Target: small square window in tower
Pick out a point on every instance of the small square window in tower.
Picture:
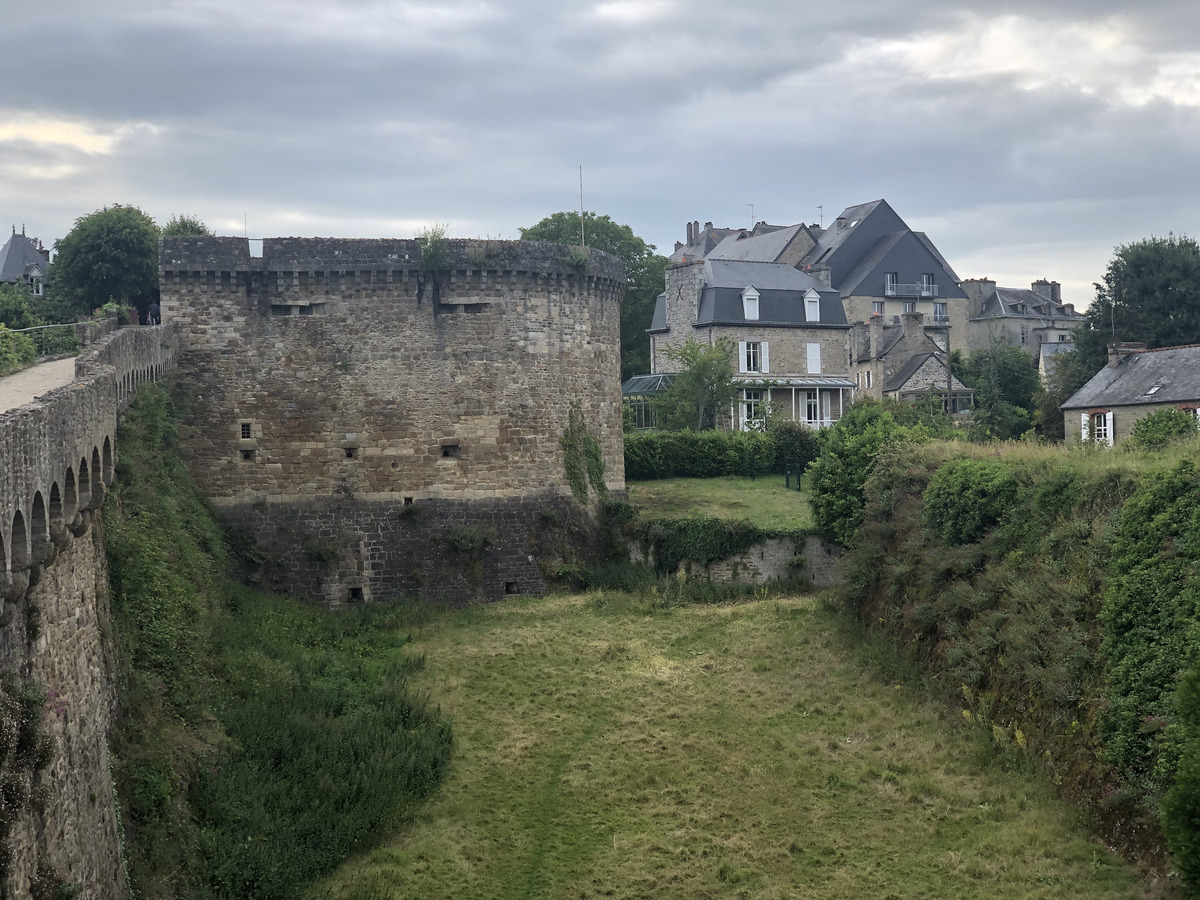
(245, 430)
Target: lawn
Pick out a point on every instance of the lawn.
(606, 747)
(764, 501)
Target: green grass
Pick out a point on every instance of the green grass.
(764, 501)
(604, 748)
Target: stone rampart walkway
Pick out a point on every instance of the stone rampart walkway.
(29, 384)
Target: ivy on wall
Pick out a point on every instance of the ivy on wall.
(582, 456)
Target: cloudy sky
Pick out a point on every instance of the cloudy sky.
(1027, 139)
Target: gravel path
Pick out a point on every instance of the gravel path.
(29, 384)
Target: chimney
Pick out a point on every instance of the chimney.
(1055, 292)
(1041, 287)
(677, 244)
(708, 226)
(876, 344)
(1119, 351)
(1069, 308)
(690, 237)
(977, 290)
(822, 274)
(913, 324)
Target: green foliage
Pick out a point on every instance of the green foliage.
(111, 254)
(263, 740)
(966, 498)
(1150, 293)
(329, 750)
(186, 226)
(434, 255)
(796, 445)
(582, 456)
(698, 539)
(1151, 617)
(16, 351)
(320, 552)
(703, 388)
(1005, 380)
(15, 311)
(847, 459)
(1162, 428)
(644, 270)
(1180, 811)
(24, 752)
(470, 538)
(708, 454)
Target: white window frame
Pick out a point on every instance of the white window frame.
(1097, 427)
(877, 307)
(750, 303)
(812, 357)
(751, 408)
(754, 357)
(812, 306)
(868, 379)
(909, 306)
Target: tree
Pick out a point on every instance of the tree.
(847, 459)
(186, 226)
(1151, 293)
(703, 387)
(111, 254)
(643, 267)
(1006, 384)
(14, 307)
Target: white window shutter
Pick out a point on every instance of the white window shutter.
(1108, 426)
(814, 359)
(765, 358)
(1084, 427)
(742, 357)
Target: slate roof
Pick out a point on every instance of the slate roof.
(17, 257)
(659, 322)
(765, 247)
(890, 337)
(833, 237)
(878, 253)
(1024, 304)
(1176, 371)
(781, 290)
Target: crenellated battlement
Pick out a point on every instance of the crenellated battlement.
(344, 378)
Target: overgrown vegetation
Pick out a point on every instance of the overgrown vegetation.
(262, 740)
(623, 746)
(766, 502)
(1056, 593)
(692, 454)
(16, 351)
(24, 753)
(582, 456)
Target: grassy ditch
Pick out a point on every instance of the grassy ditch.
(763, 501)
(1054, 593)
(261, 740)
(607, 746)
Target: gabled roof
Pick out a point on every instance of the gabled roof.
(18, 256)
(764, 247)
(764, 276)
(878, 254)
(1166, 375)
(909, 369)
(1024, 304)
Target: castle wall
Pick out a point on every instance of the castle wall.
(335, 380)
(56, 460)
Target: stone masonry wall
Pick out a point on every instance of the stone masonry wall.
(333, 381)
(56, 460)
(772, 560)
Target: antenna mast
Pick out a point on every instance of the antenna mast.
(821, 212)
(582, 235)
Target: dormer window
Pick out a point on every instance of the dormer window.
(812, 306)
(750, 303)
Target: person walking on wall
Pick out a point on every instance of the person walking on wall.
(152, 314)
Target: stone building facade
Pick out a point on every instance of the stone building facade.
(388, 417)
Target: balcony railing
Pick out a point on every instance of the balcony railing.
(910, 290)
(936, 320)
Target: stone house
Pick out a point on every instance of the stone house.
(1133, 384)
(904, 362)
(1021, 318)
(24, 261)
(789, 331)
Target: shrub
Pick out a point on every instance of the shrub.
(796, 445)
(846, 461)
(690, 454)
(16, 351)
(1161, 428)
(967, 497)
(1181, 806)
